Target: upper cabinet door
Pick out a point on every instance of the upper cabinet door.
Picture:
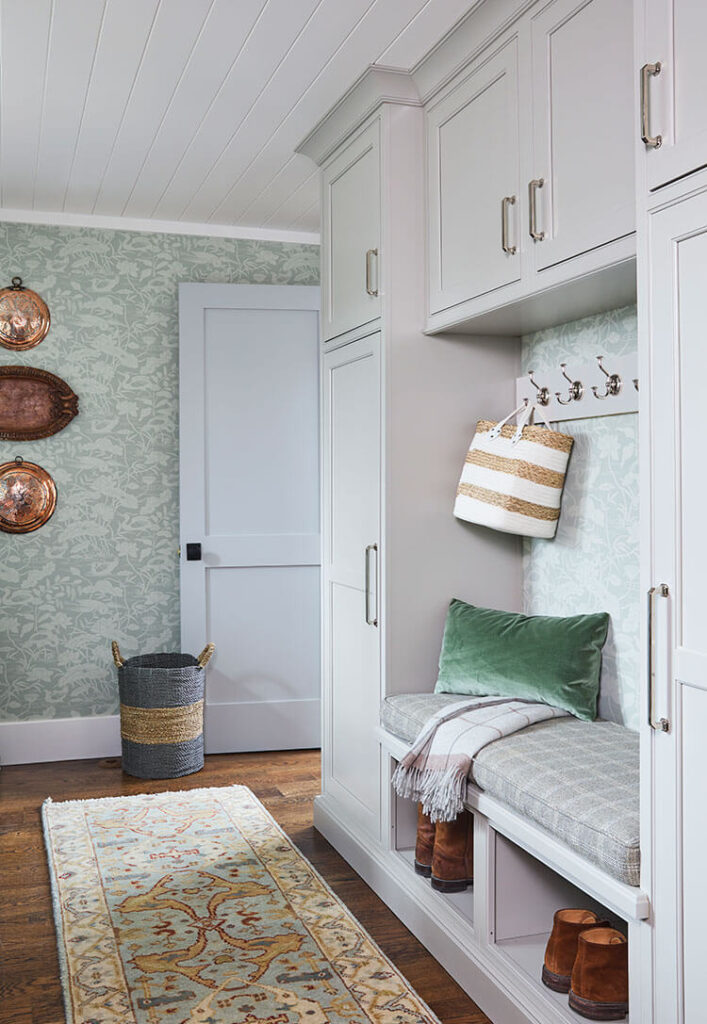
(673, 89)
(473, 181)
(351, 228)
(581, 194)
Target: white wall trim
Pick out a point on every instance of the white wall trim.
(59, 739)
(164, 227)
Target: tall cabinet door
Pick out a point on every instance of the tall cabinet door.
(474, 181)
(583, 127)
(351, 230)
(678, 356)
(351, 415)
(674, 87)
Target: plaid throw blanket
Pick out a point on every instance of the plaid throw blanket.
(435, 769)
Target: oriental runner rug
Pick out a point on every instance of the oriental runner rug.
(195, 908)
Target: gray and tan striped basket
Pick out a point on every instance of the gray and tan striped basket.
(162, 713)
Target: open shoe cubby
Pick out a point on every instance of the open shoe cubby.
(506, 916)
(524, 895)
(403, 832)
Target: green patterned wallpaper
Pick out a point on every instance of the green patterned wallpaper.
(105, 566)
(593, 562)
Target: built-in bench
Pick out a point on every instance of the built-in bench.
(578, 780)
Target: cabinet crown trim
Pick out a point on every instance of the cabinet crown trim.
(371, 90)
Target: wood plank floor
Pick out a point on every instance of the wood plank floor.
(30, 990)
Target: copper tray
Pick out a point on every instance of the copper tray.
(27, 496)
(33, 403)
(24, 317)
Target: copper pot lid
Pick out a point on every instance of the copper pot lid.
(27, 496)
(24, 317)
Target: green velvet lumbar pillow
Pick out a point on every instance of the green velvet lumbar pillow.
(543, 658)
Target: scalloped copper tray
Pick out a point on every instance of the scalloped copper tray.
(27, 496)
(33, 403)
(24, 317)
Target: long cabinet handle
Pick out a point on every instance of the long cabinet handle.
(662, 725)
(505, 203)
(370, 253)
(648, 71)
(533, 187)
(367, 557)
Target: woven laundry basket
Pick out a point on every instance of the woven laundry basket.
(162, 713)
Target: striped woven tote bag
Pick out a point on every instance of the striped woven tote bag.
(513, 476)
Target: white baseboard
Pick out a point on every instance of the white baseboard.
(59, 739)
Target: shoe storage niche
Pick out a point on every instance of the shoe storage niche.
(507, 914)
(525, 896)
(403, 834)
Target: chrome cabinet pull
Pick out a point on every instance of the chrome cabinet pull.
(370, 253)
(648, 71)
(505, 203)
(367, 557)
(662, 725)
(533, 187)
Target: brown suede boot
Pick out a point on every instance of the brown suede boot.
(599, 988)
(453, 856)
(561, 949)
(425, 843)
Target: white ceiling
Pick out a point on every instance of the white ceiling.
(186, 111)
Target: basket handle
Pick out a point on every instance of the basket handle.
(117, 656)
(205, 656)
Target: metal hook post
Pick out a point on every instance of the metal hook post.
(613, 382)
(543, 393)
(576, 389)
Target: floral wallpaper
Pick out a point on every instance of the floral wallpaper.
(105, 566)
(593, 563)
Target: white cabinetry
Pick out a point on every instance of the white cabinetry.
(351, 235)
(671, 48)
(474, 183)
(677, 355)
(583, 145)
(530, 154)
(398, 412)
(351, 528)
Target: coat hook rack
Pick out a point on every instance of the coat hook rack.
(560, 396)
(576, 388)
(543, 394)
(613, 382)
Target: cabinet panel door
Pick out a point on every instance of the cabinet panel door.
(473, 154)
(583, 126)
(351, 487)
(678, 311)
(675, 33)
(351, 220)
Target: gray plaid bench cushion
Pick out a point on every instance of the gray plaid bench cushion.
(578, 780)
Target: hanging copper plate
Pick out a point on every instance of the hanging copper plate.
(27, 496)
(33, 403)
(24, 317)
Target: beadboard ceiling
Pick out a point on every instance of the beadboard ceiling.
(186, 112)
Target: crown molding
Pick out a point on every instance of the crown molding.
(163, 227)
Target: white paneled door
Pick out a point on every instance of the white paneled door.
(351, 404)
(249, 509)
(678, 668)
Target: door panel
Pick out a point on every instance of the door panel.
(675, 31)
(351, 401)
(473, 150)
(678, 310)
(351, 219)
(583, 125)
(249, 494)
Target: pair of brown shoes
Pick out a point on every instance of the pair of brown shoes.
(588, 959)
(444, 852)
